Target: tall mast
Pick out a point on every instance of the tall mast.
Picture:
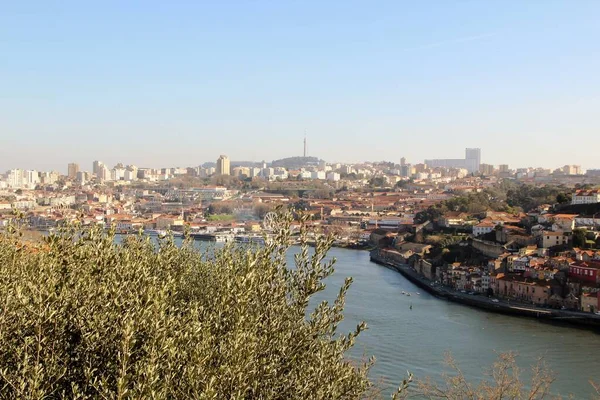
(305, 143)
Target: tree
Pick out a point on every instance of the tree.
(219, 208)
(579, 238)
(84, 317)
(261, 209)
(563, 198)
(503, 381)
(377, 181)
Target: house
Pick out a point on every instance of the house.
(563, 222)
(550, 238)
(582, 220)
(513, 234)
(485, 283)
(586, 197)
(453, 219)
(168, 221)
(485, 226)
(586, 271)
(586, 255)
(523, 289)
(124, 225)
(590, 302)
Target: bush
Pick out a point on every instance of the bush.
(83, 317)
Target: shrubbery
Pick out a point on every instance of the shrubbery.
(83, 317)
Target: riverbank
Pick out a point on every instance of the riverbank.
(587, 320)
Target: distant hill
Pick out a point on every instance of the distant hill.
(249, 164)
(296, 162)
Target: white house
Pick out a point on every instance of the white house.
(586, 197)
(485, 226)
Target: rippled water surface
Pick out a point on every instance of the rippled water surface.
(403, 339)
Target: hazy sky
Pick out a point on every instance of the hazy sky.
(167, 83)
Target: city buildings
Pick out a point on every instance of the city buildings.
(572, 170)
(223, 166)
(471, 162)
(73, 169)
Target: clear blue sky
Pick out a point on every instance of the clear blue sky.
(166, 83)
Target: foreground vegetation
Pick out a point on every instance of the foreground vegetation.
(83, 317)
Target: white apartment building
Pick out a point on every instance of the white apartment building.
(117, 174)
(32, 178)
(318, 175)
(15, 178)
(333, 176)
(130, 175)
(586, 197)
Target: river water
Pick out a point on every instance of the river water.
(404, 339)
(417, 339)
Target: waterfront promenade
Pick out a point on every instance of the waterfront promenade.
(490, 304)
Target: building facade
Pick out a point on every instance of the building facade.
(223, 166)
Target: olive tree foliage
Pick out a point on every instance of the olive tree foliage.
(84, 317)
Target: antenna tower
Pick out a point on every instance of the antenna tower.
(305, 144)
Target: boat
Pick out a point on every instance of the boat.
(249, 239)
(155, 232)
(202, 236)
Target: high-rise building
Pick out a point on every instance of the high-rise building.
(405, 170)
(15, 178)
(402, 161)
(73, 169)
(82, 177)
(97, 168)
(473, 155)
(103, 173)
(486, 169)
(223, 166)
(31, 178)
(503, 168)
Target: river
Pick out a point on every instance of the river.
(417, 339)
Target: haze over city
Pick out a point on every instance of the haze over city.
(159, 84)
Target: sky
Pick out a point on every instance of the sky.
(174, 83)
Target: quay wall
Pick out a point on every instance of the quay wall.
(587, 320)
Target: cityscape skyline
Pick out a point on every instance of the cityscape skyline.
(181, 84)
(472, 163)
